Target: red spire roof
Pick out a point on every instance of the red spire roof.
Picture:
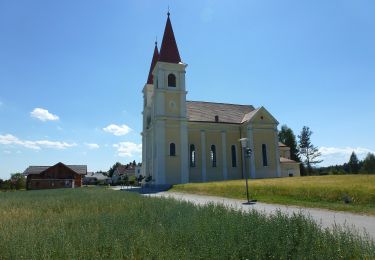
(155, 58)
(168, 50)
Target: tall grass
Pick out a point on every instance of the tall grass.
(313, 191)
(97, 223)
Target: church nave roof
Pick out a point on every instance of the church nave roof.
(200, 111)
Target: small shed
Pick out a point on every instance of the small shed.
(53, 177)
(289, 167)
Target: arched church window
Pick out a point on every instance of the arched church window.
(192, 155)
(172, 149)
(264, 154)
(213, 155)
(171, 80)
(234, 156)
(148, 121)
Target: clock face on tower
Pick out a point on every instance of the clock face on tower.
(172, 105)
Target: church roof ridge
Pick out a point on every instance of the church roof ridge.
(169, 50)
(220, 103)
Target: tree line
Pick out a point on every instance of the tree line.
(353, 166)
(308, 155)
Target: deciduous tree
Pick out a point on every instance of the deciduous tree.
(18, 181)
(113, 168)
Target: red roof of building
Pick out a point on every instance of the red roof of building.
(168, 50)
(155, 58)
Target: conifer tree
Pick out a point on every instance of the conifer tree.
(369, 164)
(307, 150)
(287, 137)
(353, 163)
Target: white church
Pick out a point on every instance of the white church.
(193, 141)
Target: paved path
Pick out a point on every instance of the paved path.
(325, 217)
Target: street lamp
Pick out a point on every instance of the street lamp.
(248, 152)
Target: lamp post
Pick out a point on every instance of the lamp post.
(248, 152)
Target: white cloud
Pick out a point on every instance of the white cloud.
(345, 151)
(129, 149)
(337, 155)
(117, 130)
(54, 144)
(9, 139)
(92, 145)
(43, 115)
(7, 152)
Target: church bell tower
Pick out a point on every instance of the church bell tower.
(166, 148)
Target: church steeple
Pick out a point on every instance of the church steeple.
(165, 127)
(155, 59)
(168, 50)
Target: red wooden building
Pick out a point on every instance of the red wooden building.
(56, 176)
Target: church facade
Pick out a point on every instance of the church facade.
(193, 141)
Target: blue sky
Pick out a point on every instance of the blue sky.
(71, 72)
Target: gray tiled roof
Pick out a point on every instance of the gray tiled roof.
(97, 175)
(123, 169)
(199, 111)
(285, 160)
(35, 169)
(80, 169)
(249, 115)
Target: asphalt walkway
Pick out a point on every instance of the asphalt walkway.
(326, 218)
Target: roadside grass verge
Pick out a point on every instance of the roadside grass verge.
(91, 223)
(329, 192)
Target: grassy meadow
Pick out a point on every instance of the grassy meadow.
(97, 223)
(311, 191)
